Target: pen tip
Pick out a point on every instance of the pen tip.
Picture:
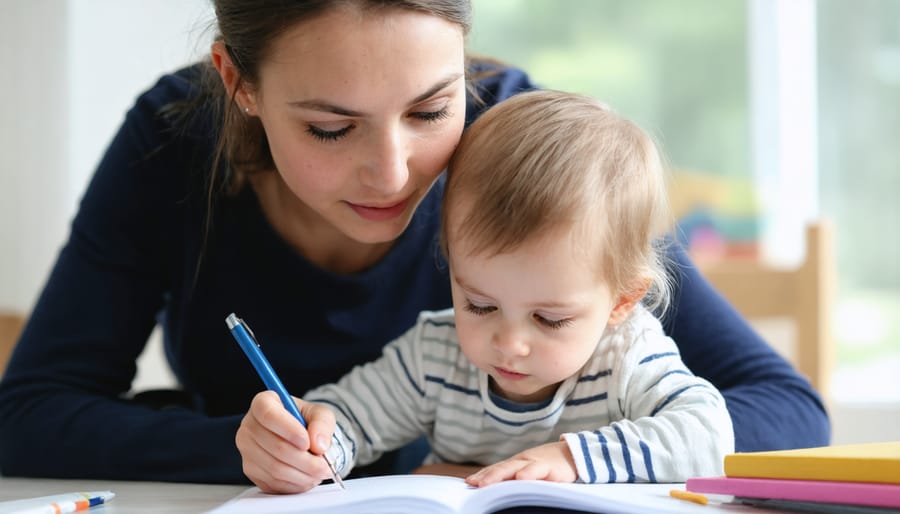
(334, 474)
(337, 478)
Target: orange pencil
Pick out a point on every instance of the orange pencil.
(689, 496)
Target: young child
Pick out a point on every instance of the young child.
(551, 365)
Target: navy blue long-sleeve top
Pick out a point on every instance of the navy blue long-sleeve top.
(131, 262)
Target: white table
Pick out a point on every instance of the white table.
(131, 497)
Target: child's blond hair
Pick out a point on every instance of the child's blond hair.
(547, 160)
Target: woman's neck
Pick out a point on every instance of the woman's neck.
(309, 234)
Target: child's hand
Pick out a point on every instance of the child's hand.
(279, 455)
(552, 462)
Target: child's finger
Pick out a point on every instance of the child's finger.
(270, 414)
(503, 470)
(320, 425)
(272, 475)
(533, 470)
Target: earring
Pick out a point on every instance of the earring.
(247, 111)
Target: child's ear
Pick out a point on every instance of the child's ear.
(627, 301)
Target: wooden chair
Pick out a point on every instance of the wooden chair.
(804, 296)
(10, 328)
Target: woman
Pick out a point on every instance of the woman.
(326, 126)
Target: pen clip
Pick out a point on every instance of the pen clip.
(249, 331)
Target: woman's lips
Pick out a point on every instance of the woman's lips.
(380, 213)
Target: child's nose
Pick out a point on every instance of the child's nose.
(511, 342)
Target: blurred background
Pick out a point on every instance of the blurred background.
(773, 114)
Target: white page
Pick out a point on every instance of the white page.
(605, 498)
(377, 494)
(421, 494)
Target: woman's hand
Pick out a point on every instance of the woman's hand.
(551, 461)
(279, 455)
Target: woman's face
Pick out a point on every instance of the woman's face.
(362, 113)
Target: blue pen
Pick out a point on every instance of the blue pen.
(245, 338)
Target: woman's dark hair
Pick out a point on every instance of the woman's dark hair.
(248, 30)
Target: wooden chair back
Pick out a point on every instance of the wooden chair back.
(804, 295)
(10, 328)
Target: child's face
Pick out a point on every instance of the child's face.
(529, 318)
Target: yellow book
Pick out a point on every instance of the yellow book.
(871, 462)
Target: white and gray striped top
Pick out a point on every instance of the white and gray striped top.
(635, 413)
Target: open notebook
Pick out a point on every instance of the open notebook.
(429, 494)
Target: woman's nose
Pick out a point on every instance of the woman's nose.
(387, 168)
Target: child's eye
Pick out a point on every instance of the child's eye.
(328, 135)
(479, 310)
(553, 323)
(432, 116)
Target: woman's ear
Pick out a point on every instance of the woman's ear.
(231, 79)
(627, 301)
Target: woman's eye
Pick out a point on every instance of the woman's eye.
(328, 135)
(432, 116)
(479, 310)
(553, 323)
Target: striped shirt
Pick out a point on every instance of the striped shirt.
(634, 413)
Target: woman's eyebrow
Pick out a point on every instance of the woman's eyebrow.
(437, 87)
(325, 106)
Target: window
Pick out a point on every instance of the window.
(699, 75)
(677, 73)
(859, 170)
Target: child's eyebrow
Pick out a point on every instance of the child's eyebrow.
(554, 305)
(548, 304)
(468, 287)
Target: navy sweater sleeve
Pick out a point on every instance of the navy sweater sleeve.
(771, 405)
(62, 411)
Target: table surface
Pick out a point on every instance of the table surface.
(131, 497)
